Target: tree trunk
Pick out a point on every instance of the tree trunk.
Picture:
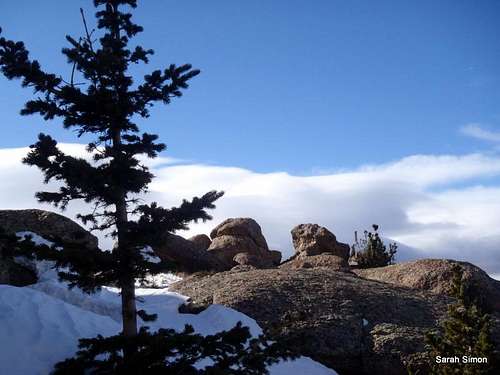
(127, 282)
(129, 313)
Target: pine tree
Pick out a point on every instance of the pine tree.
(465, 332)
(101, 100)
(371, 251)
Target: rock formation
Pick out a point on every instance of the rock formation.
(349, 323)
(316, 246)
(324, 260)
(234, 242)
(239, 241)
(188, 255)
(202, 241)
(46, 224)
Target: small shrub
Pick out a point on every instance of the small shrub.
(370, 251)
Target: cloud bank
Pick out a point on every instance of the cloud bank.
(433, 205)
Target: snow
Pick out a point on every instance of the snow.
(37, 330)
(162, 280)
(301, 366)
(38, 240)
(44, 269)
(41, 324)
(149, 255)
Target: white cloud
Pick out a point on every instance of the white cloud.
(479, 132)
(460, 223)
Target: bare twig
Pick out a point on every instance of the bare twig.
(86, 29)
(73, 73)
(95, 78)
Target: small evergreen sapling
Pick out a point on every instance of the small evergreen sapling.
(370, 251)
(464, 334)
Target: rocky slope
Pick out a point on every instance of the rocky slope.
(435, 275)
(368, 321)
(354, 325)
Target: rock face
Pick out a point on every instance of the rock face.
(435, 275)
(324, 260)
(15, 274)
(239, 241)
(46, 224)
(202, 241)
(240, 227)
(188, 255)
(235, 242)
(275, 257)
(316, 246)
(351, 324)
(245, 259)
(312, 239)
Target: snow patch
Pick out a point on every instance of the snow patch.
(104, 302)
(161, 280)
(37, 330)
(37, 239)
(149, 255)
(44, 269)
(302, 365)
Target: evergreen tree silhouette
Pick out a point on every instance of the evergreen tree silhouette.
(101, 100)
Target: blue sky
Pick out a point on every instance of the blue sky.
(295, 86)
(342, 113)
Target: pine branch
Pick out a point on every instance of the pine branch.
(155, 221)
